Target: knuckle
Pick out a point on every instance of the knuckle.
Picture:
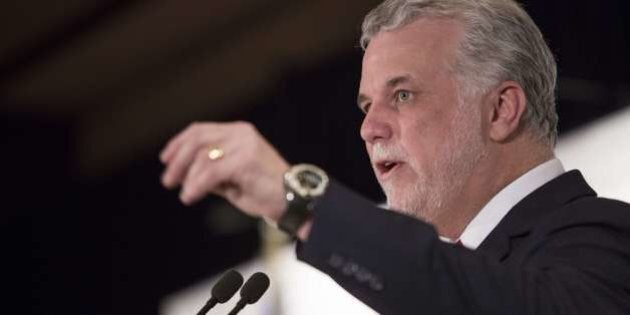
(198, 126)
(188, 130)
(193, 125)
(245, 126)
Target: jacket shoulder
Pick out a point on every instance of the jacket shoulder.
(592, 210)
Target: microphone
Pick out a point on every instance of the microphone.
(223, 290)
(251, 292)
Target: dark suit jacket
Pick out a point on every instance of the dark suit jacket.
(561, 250)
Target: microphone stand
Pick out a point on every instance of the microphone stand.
(210, 304)
(239, 306)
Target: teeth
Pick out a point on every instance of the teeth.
(389, 165)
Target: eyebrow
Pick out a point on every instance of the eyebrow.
(391, 83)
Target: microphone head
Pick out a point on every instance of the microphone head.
(225, 288)
(254, 288)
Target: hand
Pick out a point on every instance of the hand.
(249, 175)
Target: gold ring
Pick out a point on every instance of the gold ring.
(215, 153)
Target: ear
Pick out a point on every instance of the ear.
(507, 105)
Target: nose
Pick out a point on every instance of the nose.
(376, 124)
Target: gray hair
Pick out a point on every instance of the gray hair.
(501, 43)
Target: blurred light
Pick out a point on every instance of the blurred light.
(601, 150)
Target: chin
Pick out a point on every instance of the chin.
(409, 201)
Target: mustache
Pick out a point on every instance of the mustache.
(381, 151)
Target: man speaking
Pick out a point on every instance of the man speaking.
(460, 125)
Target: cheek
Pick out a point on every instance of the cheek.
(423, 138)
(416, 142)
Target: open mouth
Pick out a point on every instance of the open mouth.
(386, 167)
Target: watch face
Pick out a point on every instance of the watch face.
(307, 180)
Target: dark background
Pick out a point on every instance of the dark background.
(91, 90)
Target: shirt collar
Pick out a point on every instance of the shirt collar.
(499, 206)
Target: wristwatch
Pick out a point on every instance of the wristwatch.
(303, 184)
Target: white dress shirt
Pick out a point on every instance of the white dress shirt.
(499, 206)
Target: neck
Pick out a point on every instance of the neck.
(490, 176)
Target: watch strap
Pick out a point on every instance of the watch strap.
(296, 214)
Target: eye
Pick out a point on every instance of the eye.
(403, 96)
(365, 107)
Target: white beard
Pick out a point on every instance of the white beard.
(428, 195)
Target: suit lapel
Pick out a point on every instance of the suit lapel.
(524, 215)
